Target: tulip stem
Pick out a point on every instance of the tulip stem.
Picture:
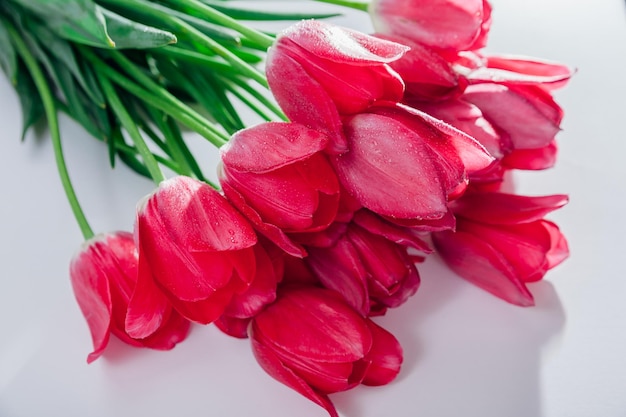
(352, 4)
(259, 38)
(53, 123)
(133, 131)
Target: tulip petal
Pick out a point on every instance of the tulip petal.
(342, 45)
(524, 246)
(270, 231)
(148, 306)
(400, 235)
(91, 289)
(502, 209)
(174, 330)
(272, 145)
(443, 24)
(559, 249)
(182, 229)
(522, 69)
(273, 366)
(233, 326)
(386, 357)
(339, 268)
(527, 114)
(482, 264)
(309, 104)
(390, 170)
(261, 291)
(532, 159)
(316, 324)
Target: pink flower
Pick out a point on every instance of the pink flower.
(331, 71)
(447, 25)
(311, 341)
(277, 175)
(427, 75)
(502, 242)
(194, 247)
(517, 70)
(270, 266)
(103, 276)
(369, 264)
(526, 117)
(403, 163)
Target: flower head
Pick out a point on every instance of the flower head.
(313, 342)
(195, 247)
(104, 276)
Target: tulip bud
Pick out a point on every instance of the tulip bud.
(276, 174)
(195, 247)
(311, 341)
(332, 71)
(104, 276)
(447, 25)
(502, 242)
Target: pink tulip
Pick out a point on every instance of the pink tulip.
(194, 247)
(103, 276)
(427, 75)
(332, 71)
(525, 116)
(277, 175)
(519, 70)
(403, 163)
(311, 341)
(502, 242)
(369, 264)
(447, 25)
(270, 266)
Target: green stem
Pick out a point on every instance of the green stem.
(351, 4)
(130, 126)
(164, 15)
(171, 106)
(221, 19)
(51, 114)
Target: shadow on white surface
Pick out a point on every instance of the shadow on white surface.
(488, 363)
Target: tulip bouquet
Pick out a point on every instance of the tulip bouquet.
(375, 150)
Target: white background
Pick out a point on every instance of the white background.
(466, 352)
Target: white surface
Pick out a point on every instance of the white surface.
(466, 353)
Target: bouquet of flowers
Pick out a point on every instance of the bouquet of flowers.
(372, 152)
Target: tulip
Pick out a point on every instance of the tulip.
(314, 343)
(427, 75)
(403, 163)
(519, 70)
(446, 25)
(332, 71)
(270, 266)
(276, 174)
(369, 265)
(195, 247)
(103, 276)
(502, 242)
(527, 117)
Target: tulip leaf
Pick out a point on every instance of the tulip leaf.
(245, 13)
(81, 21)
(127, 33)
(62, 50)
(8, 56)
(30, 101)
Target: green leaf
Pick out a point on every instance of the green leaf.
(245, 13)
(127, 33)
(63, 51)
(30, 101)
(8, 57)
(80, 21)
